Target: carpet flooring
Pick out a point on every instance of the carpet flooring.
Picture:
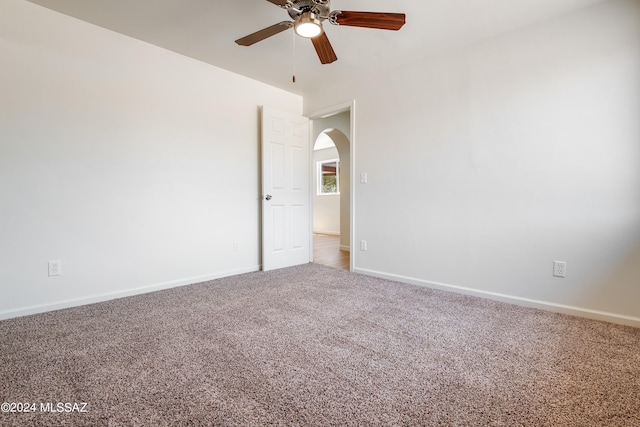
(315, 346)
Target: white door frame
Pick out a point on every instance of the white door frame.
(330, 111)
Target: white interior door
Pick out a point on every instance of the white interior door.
(286, 224)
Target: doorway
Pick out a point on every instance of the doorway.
(332, 188)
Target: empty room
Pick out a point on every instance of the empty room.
(160, 187)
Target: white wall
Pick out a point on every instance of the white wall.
(501, 157)
(134, 166)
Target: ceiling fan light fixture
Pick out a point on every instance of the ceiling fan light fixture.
(308, 26)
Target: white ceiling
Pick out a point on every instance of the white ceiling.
(206, 30)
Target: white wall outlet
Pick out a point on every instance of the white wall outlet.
(559, 268)
(364, 178)
(55, 268)
(236, 246)
(363, 245)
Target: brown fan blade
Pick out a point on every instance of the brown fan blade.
(264, 33)
(278, 2)
(324, 48)
(380, 20)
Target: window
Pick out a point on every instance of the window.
(328, 177)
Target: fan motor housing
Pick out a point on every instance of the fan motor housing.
(322, 10)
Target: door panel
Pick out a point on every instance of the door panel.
(298, 175)
(286, 225)
(299, 221)
(277, 166)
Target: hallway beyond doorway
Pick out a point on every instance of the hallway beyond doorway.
(326, 251)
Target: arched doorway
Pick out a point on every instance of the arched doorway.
(332, 194)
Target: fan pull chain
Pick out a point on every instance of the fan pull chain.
(294, 56)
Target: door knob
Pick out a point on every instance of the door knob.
(268, 197)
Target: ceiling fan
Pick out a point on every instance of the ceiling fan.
(308, 16)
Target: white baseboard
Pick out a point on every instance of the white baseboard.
(25, 311)
(328, 233)
(525, 302)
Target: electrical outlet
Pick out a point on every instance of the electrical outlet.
(559, 268)
(55, 268)
(364, 178)
(363, 245)
(236, 246)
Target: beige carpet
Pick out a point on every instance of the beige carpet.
(312, 345)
